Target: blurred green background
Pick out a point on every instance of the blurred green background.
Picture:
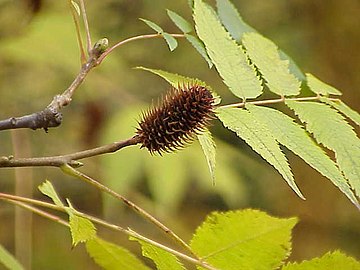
(39, 58)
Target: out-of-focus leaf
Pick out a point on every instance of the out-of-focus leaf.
(209, 148)
(48, 189)
(170, 40)
(228, 57)
(332, 260)
(248, 239)
(8, 260)
(76, 7)
(153, 26)
(319, 87)
(112, 257)
(265, 55)
(163, 260)
(199, 46)
(180, 22)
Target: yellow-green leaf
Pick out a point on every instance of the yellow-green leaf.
(258, 136)
(320, 87)
(81, 229)
(247, 239)
(8, 260)
(265, 55)
(228, 57)
(209, 148)
(47, 189)
(343, 108)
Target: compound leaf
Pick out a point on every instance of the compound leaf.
(199, 46)
(296, 139)
(247, 239)
(228, 57)
(331, 129)
(265, 55)
(209, 148)
(319, 87)
(180, 22)
(258, 136)
(343, 108)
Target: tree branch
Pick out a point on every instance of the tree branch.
(70, 159)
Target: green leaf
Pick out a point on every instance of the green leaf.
(232, 20)
(81, 229)
(209, 148)
(177, 80)
(180, 22)
(168, 179)
(331, 129)
(199, 46)
(162, 259)
(331, 260)
(265, 55)
(153, 26)
(47, 189)
(344, 109)
(112, 257)
(229, 57)
(76, 7)
(296, 139)
(247, 239)
(8, 260)
(236, 26)
(258, 136)
(320, 87)
(170, 40)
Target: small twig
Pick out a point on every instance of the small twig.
(273, 101)
(71, 171)
(108, 51)
(20, 202)
(71, 159)
(86, 26)
(75, 17)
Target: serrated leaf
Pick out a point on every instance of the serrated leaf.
(76, 7)
(319, 87)
(265, 55)
(236, 26)
(162, 259)
(8, 260)
(296, 139)
(170, 40)
(177, 80)
(82, 229)
(331, 129)
(153, 26)
(331, 260)
(232, 20)
(258, 136)
(247, 239)
(47, 189)
(180, 22)
(200, 47)
(209, 148)
(343, 108)
(113, 257)
(228, 57)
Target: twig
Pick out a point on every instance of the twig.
(108, 51)
(86, 26)
(75, 17)
(71, 171)
(20, 202)
(70, 159)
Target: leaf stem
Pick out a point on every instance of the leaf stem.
(272, 101)
(86, 26)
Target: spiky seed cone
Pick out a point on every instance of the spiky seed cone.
(180, 116)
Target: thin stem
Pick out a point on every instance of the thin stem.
(71, 171)
(78, 33)
(20, 202)
(86, 25)
(272, 101)
(71, 159)
(108, 51)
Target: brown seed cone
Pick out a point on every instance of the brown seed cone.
(181, 114)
